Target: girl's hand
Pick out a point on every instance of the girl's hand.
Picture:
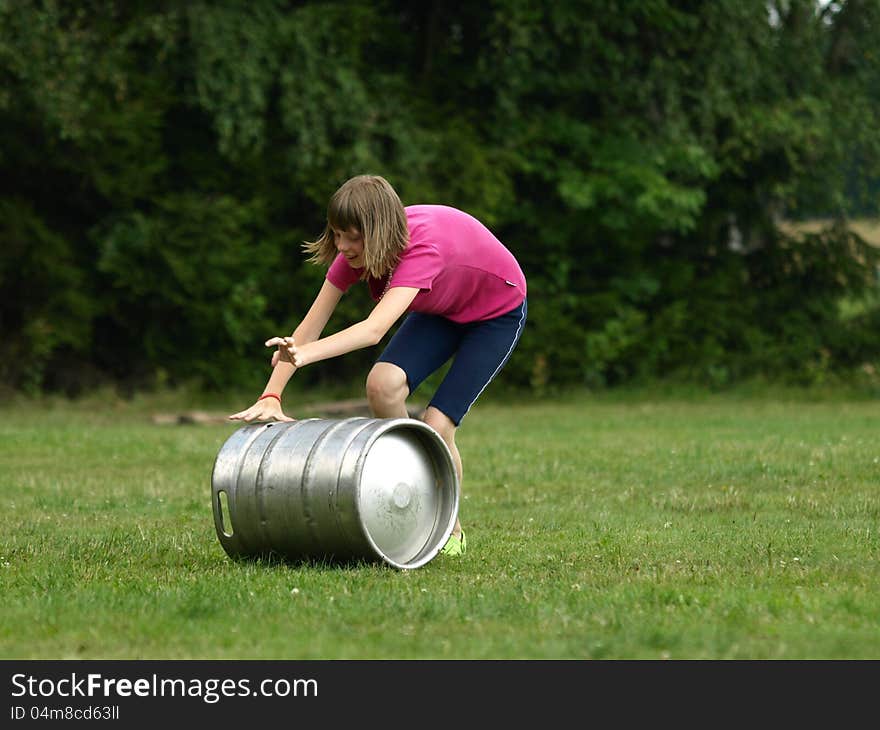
(267, 409)
(281, 354)
(287, 351)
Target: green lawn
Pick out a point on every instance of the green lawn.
(607, 527)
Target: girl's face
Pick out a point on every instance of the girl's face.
(350, 244)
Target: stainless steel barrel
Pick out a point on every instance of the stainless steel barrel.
(382, 489)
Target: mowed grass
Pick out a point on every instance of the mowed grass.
(711, 527)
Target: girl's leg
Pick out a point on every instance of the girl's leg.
(443, 425)
(482, 352)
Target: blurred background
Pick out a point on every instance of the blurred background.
(692, 187)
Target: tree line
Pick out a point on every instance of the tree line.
(162, 163)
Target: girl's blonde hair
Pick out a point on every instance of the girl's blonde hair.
(370, 205)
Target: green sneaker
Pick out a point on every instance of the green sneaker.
(455, 545)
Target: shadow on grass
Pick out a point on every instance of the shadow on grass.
(326, 563)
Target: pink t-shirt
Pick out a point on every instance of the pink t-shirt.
(464, 273)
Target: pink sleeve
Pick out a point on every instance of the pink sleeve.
(418, 267)
(341, 275)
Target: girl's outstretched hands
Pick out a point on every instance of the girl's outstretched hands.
(267, 407)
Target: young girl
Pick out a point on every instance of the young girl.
(464, 291)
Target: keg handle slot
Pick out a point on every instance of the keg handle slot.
(223, 510)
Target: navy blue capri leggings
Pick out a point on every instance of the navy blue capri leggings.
(424, 342)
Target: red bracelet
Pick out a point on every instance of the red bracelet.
(270, 395)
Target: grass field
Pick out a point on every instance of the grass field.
(615, 527)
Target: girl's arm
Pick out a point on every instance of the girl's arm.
(309, 329)
(366, 333)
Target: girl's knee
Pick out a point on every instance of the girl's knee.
(386, 383)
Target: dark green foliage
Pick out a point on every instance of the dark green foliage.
(165, 161)
(183, 279)
(46, 308)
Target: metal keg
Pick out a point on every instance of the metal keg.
(378, 489)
